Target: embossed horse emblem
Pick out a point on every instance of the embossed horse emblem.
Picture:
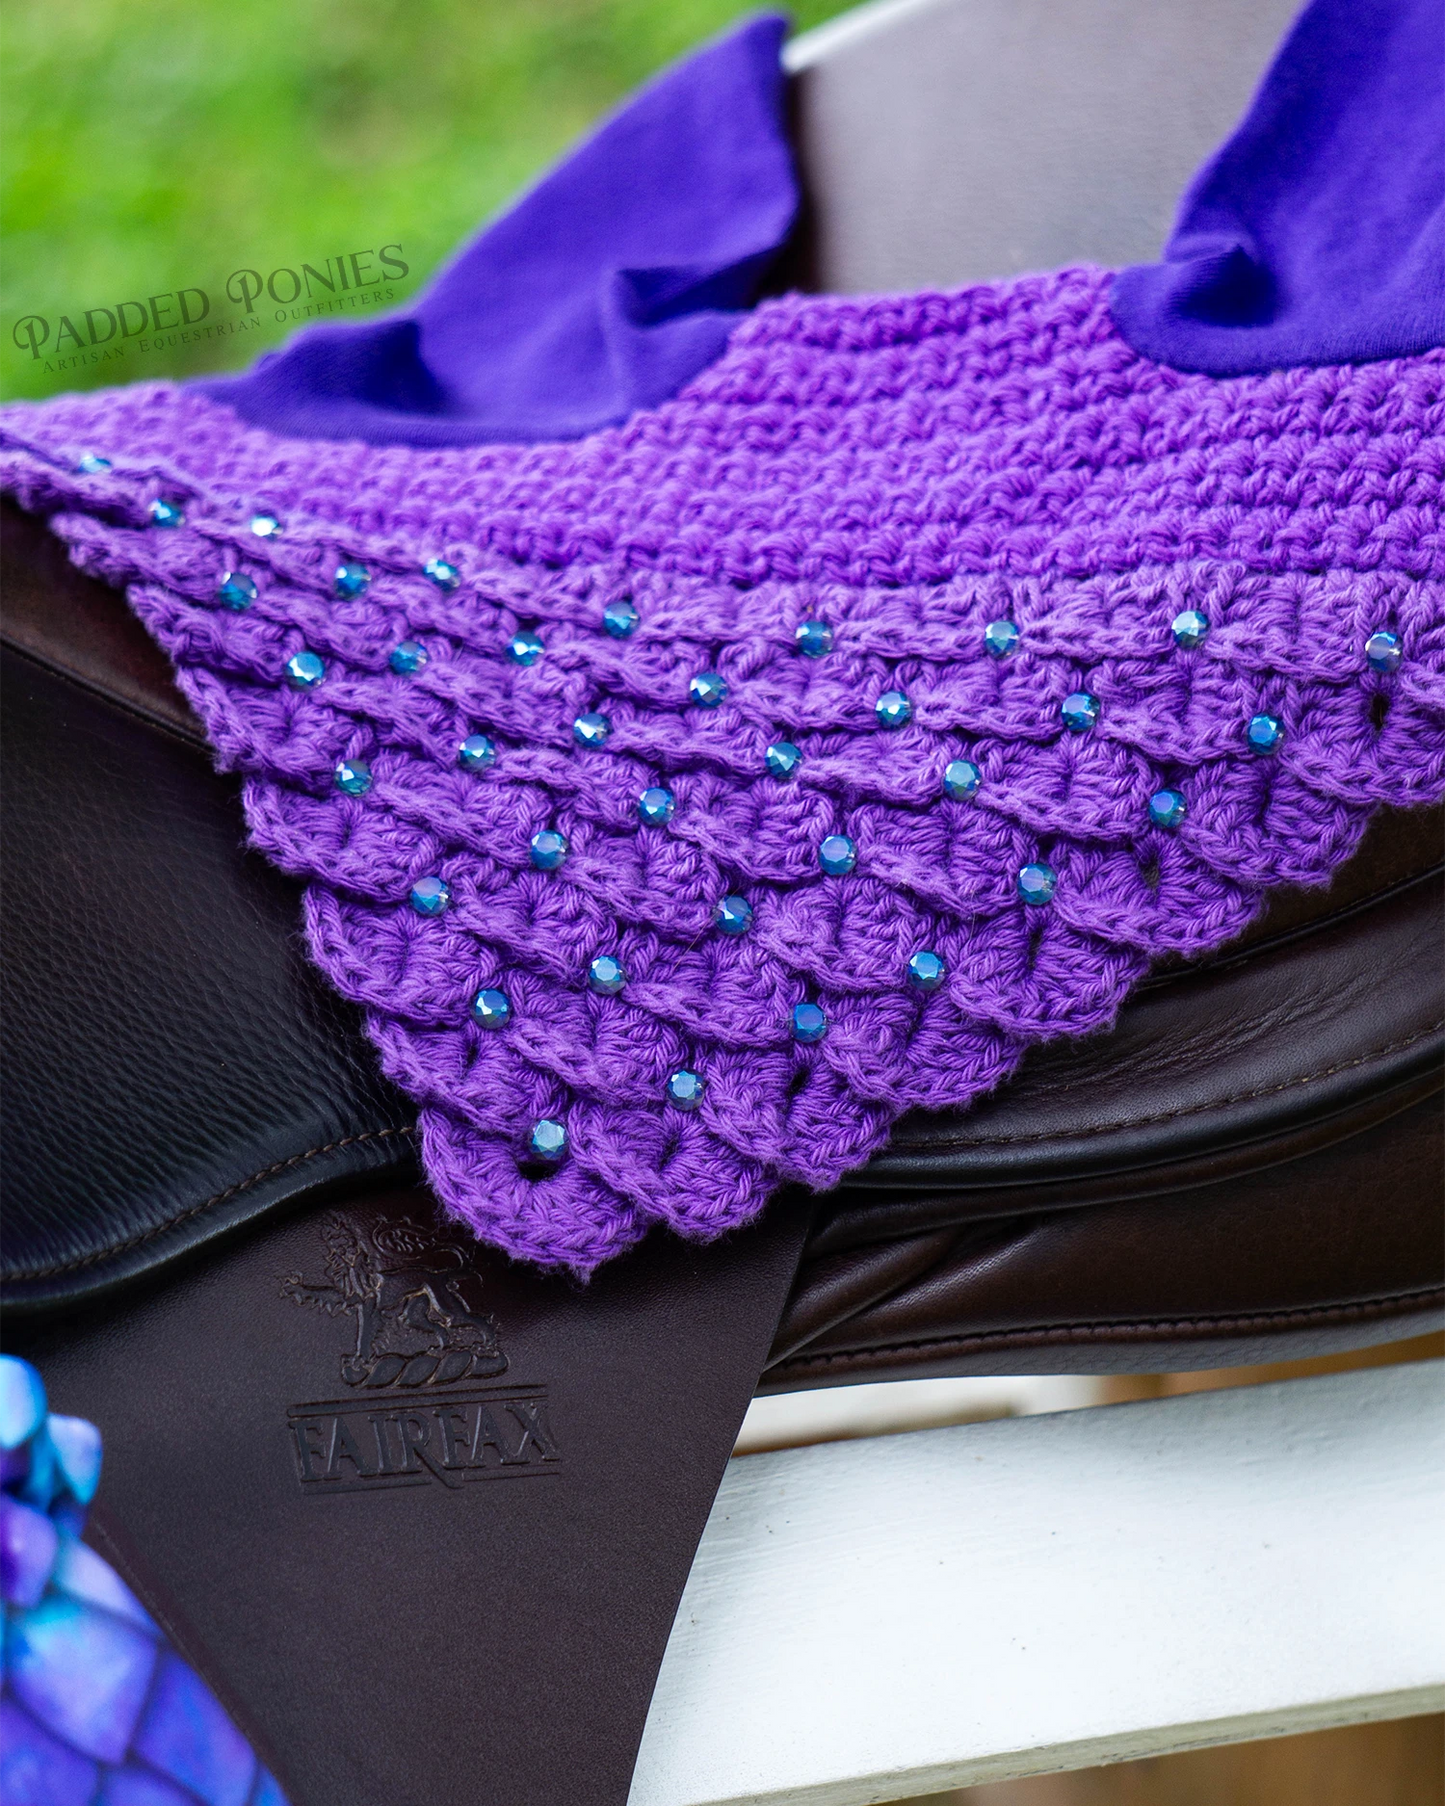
(415, 1298)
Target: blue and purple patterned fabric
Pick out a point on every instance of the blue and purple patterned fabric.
(96, 1708)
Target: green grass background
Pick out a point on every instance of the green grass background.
(153, 144)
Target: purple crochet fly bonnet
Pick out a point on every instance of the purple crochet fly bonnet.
(685, 803)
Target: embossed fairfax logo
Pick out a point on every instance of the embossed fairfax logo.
(428, 1404)
(416, 1301)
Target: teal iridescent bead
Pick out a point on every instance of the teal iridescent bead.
(445, 576)
(927, 970)
(1383, 651)
(236, 591)
(1189, 628)
(837, 855)
(91, 464)
(491, 1009)
(1000, 638)
(166, 514)
(408, 657)
(1264, 734)
(476, 753)
(815, 638)
(1167, 808)
(548, 1140)
(548, 849)
(350, 579)
(1079, 712)
(685, 1089)
(304, 670)
(353, 777)
(809, 1023)
(961, 779)
(607, 975)
(619, 618)
(265, 526)
(430, 896)
(734, 915)
(708, 689)
(782, 759)
(656, 806)
(1037, 883)
(893, 709)
(524, 648)
(591, 729)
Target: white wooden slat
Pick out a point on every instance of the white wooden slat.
(868, 1620)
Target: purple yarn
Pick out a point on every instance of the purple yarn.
(906, 471)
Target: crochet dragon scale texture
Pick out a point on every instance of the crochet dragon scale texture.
(905, 472)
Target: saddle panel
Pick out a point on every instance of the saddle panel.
(178, 1071)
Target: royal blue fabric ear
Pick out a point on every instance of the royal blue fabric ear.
(1316, 235)
(602, 291)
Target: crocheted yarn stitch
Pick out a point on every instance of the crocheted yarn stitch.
(906, 471)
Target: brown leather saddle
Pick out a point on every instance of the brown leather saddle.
(423, 1517)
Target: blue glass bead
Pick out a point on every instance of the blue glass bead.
(927, 970)
(1167, 808)
(734, 915)
(961, 779)
(606, 975)
(1264, 734)
(708, 689)
(525, 648)
(491, 1009)
(265, 526)
(656, 805)
(430, 896)
(782, 759)
(350, 579)
(476, 753)
(83, 1674)
(1382, 650)
(408, 657)
(353, 776)
(685, 1089)
(549, 849)
(1000, 638)
(40, 1770)
(548, 1140)
(814, 638)
(445, 576)
(837, 855)
(31, 1545)
(22, 1402)
(236, 591)
(619, 618)
(1037, 883)
(1079, 712)
(893, 709)
(92, 465)
(167, 514)
(591, 729)
(187, 1735)
(304, 670)
(1189, 628)
(809, 1022)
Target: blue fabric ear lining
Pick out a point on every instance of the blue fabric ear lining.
(1316, 234)
(613, 281)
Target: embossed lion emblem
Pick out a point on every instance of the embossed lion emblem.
(416, 1302)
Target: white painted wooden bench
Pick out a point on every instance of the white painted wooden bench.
(874, 1619)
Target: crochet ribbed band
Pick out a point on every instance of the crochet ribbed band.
(1092, 654)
